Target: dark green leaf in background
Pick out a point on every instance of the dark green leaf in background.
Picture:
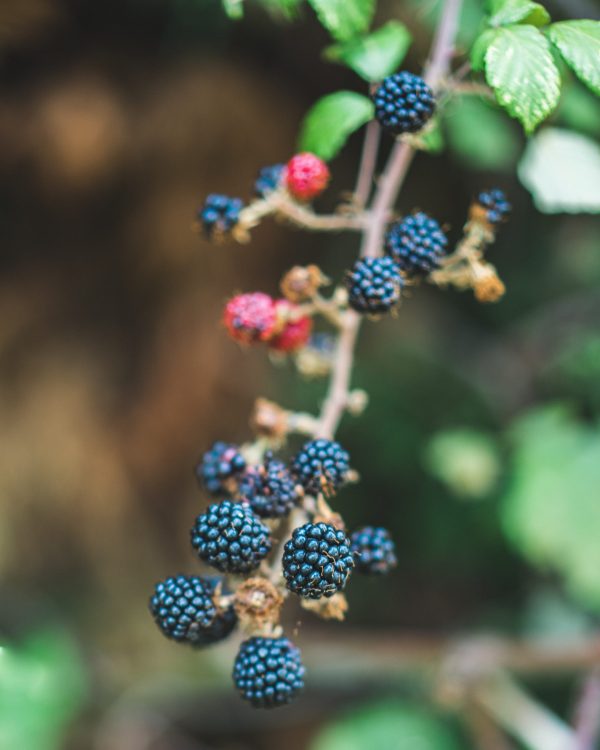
(344, 19)
(504, 12)
(374, 56)
(331, 120)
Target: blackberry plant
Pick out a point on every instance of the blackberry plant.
(513, 60)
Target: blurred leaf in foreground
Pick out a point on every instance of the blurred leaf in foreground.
(42, 688)
(387, 726)
(551, 511)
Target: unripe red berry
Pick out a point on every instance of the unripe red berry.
(296, 330)
(306, 176)
(250, 318)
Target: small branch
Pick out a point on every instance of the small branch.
(367, 164)
(587, 713)
(308, 219)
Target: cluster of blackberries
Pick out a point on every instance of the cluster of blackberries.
(403, 103)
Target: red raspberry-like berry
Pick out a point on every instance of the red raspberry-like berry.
(306, 176)
(251, 318)
(296, 330)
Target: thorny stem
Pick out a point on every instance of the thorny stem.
(385, 197)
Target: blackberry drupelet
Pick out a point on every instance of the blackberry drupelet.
(417, 243)
(219, 468)
(230, 537)
(403, 103)
(321, 466)
(269, 179)
(374, 550)
(374, 285)
(268, 672)
(317, 560)
(270, 489)
(496, 205)
(219, 214)
(184, 609)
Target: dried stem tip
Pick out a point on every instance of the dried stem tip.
(257, 603)
(301, 283)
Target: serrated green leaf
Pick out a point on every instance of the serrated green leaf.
(504, 12)
(480, 47)
(520, 68)
(561, 169)
(344, 19)
(480, 134)
(579, 44)
(331, 120)
(374, 56)
(234, 9)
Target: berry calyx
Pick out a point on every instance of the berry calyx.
(268, 672)
(183, 607)
(321, 466)
(404, 103)
(317, 560)
(219, 468)
(296, 328)
(417, 243)
(374, 550)
(374, 285)
(231, 537)
(269, 489)
(251, 318)
(219, 215)
(306, 176)
(269, 179)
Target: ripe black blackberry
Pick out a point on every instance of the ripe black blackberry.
(374, 285)
(219, 468)
(183, 607)
(403, 103)
(219, 214)
(417, 243)
(269, 179)
(321, 466)
(230, 537)
(268, 672)
(374, 550)
(317, 560)
(496, 206)
(269, 489)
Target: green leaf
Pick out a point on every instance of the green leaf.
(234, 9)
(480, 47)
(505, 12)
(387, 726)
(344, 19)
(331, 120)
(579, 109)
(551, 511)
(579, 44)
(286, 8)
(374, 56)
(520, 68)
(480, 134)
(561, 169)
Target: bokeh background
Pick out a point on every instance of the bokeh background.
(116, 119)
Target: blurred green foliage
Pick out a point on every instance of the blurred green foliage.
(42, 688)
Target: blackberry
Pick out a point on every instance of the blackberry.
(403, 103)
(268, 672)
(219, 468)
(230, 537)
(417, 243)
(321, 466)
(269, 489)
(496, 205)
(306, 176)
(183, 608)
(219, 214)
(374, 550)
(251, 318)
(269, 179)
(374, 285)
(317, 560)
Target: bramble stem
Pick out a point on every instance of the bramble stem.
(372, 241)
(587, 719)
(368, 162)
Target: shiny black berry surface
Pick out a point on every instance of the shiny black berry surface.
(404, 103)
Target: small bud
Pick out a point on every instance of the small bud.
(301, 283)
(269, 419)
(357, 402)
(488, 287)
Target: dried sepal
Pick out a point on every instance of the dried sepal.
(301, 283)
(257, 604)
(334, 608)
